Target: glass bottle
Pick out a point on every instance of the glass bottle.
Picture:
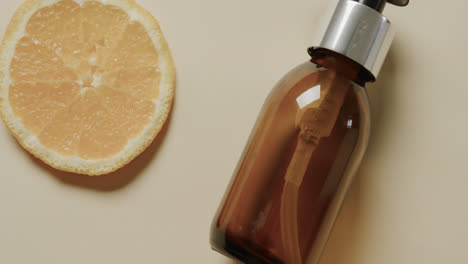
(306, 146)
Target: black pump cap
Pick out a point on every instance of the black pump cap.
(379, 5)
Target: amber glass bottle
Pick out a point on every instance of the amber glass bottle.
(308, 141)
(306, 146)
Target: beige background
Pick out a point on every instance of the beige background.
(409, 203)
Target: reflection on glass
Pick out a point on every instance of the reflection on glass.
(308, 97)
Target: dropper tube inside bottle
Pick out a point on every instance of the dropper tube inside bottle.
(315, 123)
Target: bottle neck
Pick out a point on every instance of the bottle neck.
(342, 65)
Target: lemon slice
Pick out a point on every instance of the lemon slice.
(85, 85)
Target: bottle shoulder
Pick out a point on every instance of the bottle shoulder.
(308, 85)
(320, 95)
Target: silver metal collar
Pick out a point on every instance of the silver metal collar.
(359, 33)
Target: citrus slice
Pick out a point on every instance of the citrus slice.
(85, 85)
